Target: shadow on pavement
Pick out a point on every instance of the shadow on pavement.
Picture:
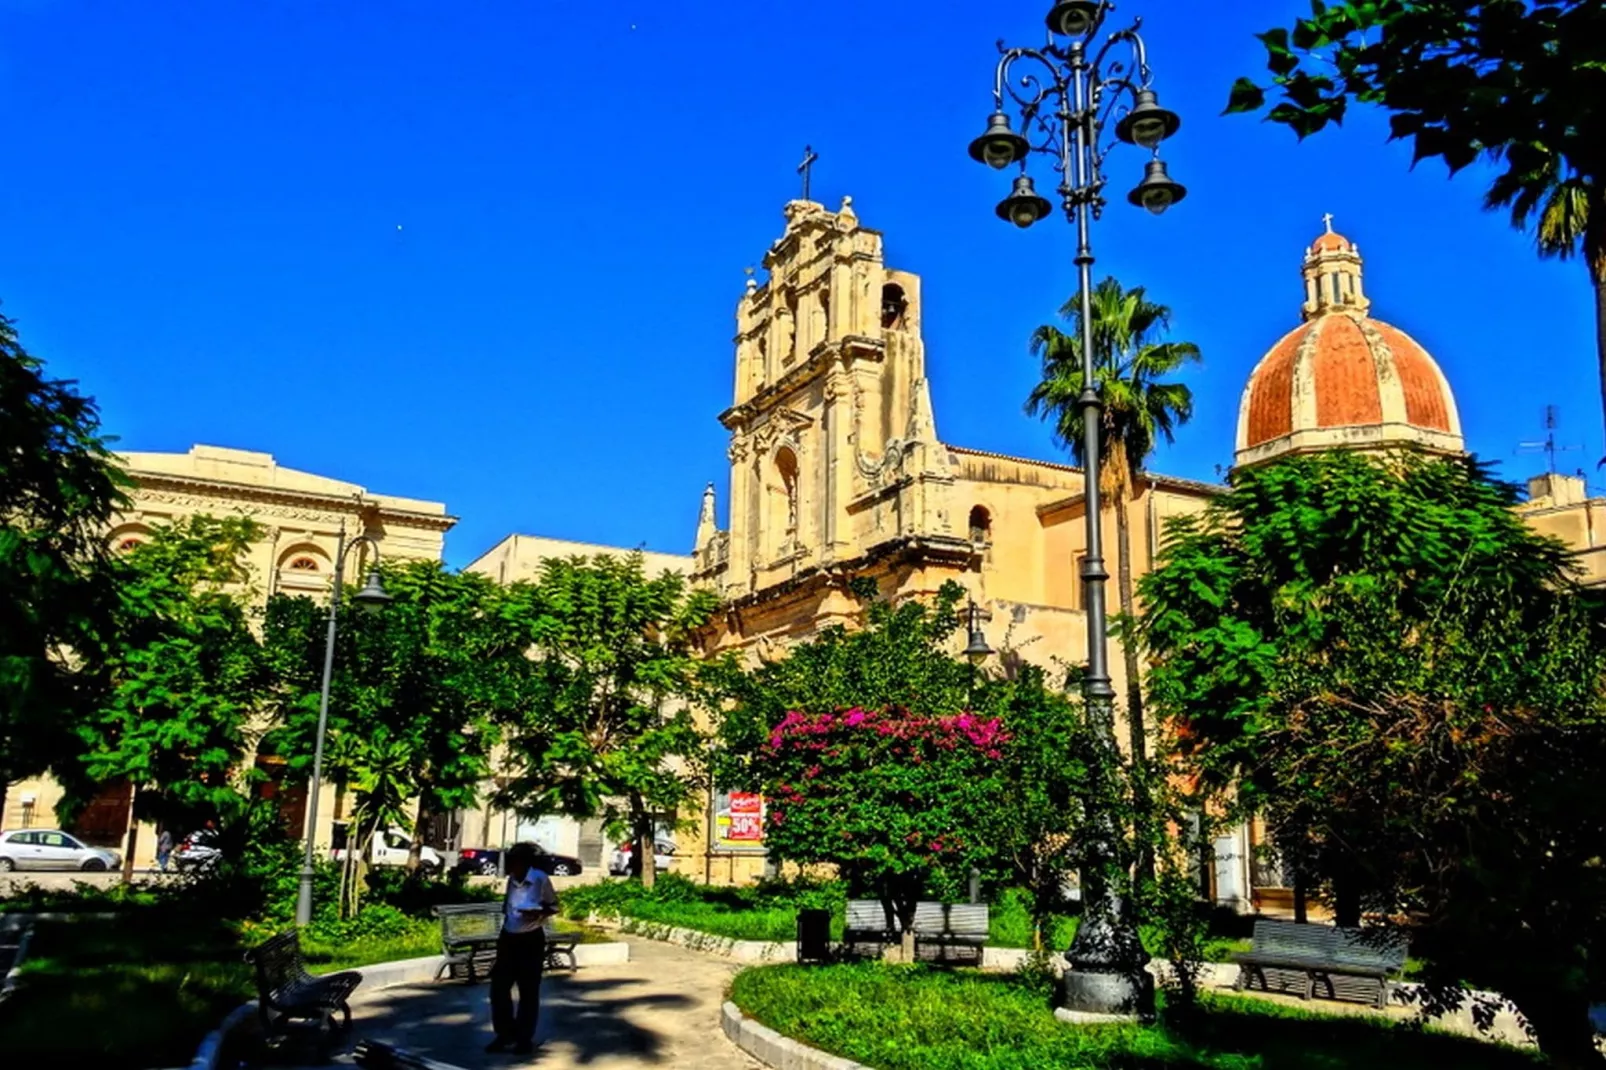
(583, 1021)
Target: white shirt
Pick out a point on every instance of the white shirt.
(534, 892)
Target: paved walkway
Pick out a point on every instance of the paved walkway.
(661, 1009)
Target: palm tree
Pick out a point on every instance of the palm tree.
(1129, 361)
(1570, 210)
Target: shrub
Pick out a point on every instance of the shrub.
(417, 893)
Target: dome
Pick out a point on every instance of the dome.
(1341, 379)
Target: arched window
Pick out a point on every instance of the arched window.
(128, 544)
(893, 305)
(303, 564)
(981, 525)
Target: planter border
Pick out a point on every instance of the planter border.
(773, 1049)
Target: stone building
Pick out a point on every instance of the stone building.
(301, 516)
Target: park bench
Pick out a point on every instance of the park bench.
(468, 939)
(945, 926)
(287, 993)
(866, 926)
(1350, 964)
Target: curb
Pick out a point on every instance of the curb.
(209, 1055)
(739, 950)
(772, 1049)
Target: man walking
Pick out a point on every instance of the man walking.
(520, 951)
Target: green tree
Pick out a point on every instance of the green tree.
(1140, 408)
(610, 730)
(185, 676)
(1383, 660)
(1517, 82)
(418, 688)
(59, 489)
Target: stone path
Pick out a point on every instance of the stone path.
(660, 1009)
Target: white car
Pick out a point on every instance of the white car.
(662, 854)
(392, 847)
(53, 849)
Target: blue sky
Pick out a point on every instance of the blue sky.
(489, 253)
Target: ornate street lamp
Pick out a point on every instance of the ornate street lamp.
(977, 651)
(1069, 94)
(371, 596)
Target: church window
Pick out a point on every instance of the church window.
(127, 544)
(303, 564)
(981, 525)
(1337, 296)
(893, 306)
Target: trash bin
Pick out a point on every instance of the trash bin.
(814, 936)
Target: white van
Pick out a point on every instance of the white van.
(391, 847)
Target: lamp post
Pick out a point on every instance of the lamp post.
(1069, 93)
(976, 649)
(371, 596)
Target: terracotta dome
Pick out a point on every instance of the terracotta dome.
(1342, 380)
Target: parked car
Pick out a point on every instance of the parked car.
(484, 861)
(662, 854)
(197, 851)
(392, 847)
(53, 849)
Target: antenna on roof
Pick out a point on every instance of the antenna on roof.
(1548, 446)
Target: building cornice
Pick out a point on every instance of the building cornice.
(929, 549)
(278, 496)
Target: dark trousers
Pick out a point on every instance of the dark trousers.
(520, 958)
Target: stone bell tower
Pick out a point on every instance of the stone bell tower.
(833, 448)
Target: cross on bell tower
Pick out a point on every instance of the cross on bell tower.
(810, 157)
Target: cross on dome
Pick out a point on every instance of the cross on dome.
(1327, 218)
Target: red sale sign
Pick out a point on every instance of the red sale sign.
(744, 820)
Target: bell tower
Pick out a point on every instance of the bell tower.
(831, 406)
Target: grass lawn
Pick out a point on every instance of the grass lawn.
(126, 994)
(916, 1018)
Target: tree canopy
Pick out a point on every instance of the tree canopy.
(185, 676)
(417, 693)
(610, 732)
(1382, 659)
(59, 489)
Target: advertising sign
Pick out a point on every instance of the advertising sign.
(739, 821)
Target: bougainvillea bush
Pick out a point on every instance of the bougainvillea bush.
(900, 802)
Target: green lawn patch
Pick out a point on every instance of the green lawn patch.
(918, 1018)
(129, 994)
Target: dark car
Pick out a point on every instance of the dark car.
(484, 861)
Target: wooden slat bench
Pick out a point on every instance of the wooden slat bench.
(1285, 956)
(287, 993)
(866, 926)
(468, 940)
(953, 925)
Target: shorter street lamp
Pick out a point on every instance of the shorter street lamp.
(372, 595)
(977, 651)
